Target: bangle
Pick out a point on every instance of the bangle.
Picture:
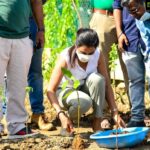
(61, 111)
(120, 35)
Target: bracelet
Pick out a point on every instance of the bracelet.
(61, 111)
(120, 35)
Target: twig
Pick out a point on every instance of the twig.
(78, 14)
(78, 111)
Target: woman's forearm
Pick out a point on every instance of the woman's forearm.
(54, 101)
(110, 98)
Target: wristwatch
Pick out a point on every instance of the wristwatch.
(41, 29)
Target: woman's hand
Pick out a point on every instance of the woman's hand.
(66, 123)
(118, 120)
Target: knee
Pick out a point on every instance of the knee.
(97, 80)
(84, 106)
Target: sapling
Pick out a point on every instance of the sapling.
(76, 84)
(2, 96)
(113, 57)
(78, 142)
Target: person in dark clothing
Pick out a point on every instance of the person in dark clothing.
(132, 47)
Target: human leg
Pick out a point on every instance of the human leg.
(5, 46)
(17, 71)
(147, 67)
(104, 25)
(70, 103)
(95, 87)
(136, 73)
(35, 80)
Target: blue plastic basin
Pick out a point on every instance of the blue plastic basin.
(108, 140)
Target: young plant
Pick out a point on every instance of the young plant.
(2, 98)
(113, 56)
(78, 142)
(76, 84)
(28, 89)
(2, 94)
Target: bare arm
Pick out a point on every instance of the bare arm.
(54, 82)
(56, 77)
(37, 10)
(109, 92)
(121, 36)
(108, 89)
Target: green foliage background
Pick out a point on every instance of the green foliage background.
(61, 23)
(60, 26)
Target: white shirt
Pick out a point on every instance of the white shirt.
(78, 72)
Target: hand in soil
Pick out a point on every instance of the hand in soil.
(66, 123)
(65, 133)
(78, 143)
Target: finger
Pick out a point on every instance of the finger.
(126, 41)
(71, 127)
(121, 47)
(123, 124)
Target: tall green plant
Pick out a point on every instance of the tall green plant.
(76, 84)
(2, 97)
(2, 94)
(113, 56)
(60, 23)
(60, 26)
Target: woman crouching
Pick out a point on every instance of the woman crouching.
(86, 63)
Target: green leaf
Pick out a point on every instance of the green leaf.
(66, 72)
(64, 85)
(76, 84)
(29, 89)
(67, 94)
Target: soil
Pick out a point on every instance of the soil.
(78, 143)
(51, 140)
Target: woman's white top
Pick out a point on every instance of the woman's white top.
(78, 72)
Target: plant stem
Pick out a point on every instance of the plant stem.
(78, 14)
(78, 111)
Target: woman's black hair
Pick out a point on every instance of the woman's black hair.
(85, 37)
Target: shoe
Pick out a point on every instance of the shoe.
(23, 133)
(136, 124)
(42, 122)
